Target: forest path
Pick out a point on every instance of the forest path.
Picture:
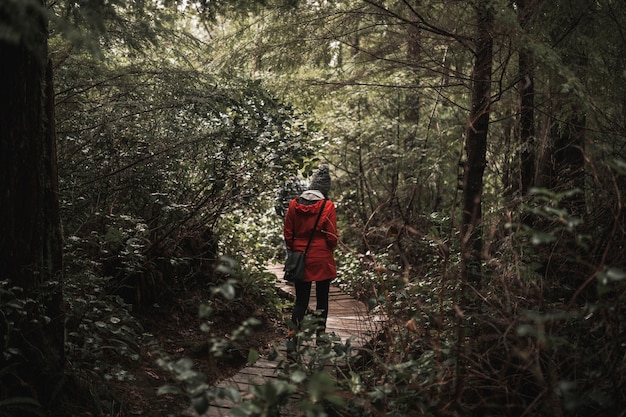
(347, 318)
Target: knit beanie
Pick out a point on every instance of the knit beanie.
(321, 180)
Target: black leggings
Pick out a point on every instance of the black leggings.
(303, 293)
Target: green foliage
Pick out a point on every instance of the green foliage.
(307, 372)
(14, 313)
(103, 338)
(237, 290)
(18, 21)
(241, 287)
(20, 313)
(159, 161)
(195, 384)
(552, 227)
(165, 164)
(353, 275)
(559, 341)
(96, 27)
(238, 130)
(20, 406)
(254, 238)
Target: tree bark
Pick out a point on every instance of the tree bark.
(526, 123)
(474, 168)
(30, 232)
(476, 149)
(527, 106)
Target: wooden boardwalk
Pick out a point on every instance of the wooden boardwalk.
(347, 318)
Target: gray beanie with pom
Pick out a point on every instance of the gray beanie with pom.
(321, 180)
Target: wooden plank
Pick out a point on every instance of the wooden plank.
(214, 411)
(255, 372)
(263, 363)
(243, 381)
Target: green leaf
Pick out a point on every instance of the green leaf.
(183, 365)
(200, 404)
(168, 389)
(540, 237)
(113, 235)
(355, 382)
(230, 393)
(619, 166)
(298, 376)
(322, 386)
(524, 330)
(205, 311)
(228, 291)
(274, 353)
(253, 356)
(615, 274)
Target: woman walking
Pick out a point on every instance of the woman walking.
(320, 264)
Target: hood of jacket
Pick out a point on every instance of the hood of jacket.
(312, 195)
(310, 201)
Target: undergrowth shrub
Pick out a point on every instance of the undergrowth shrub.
(520, 345)
(244, 289)
(18, 313)
(102, 341)
(142, 267)
(253, 240)
(353, 276)
(539, 336)
(103, 337)
(240, 294)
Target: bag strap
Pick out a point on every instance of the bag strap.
(315, 227)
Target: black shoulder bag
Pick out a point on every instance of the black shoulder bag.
(294, 266)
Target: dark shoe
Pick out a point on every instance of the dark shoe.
(321, 339)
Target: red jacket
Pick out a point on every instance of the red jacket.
(320, 262)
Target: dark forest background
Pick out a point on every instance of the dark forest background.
(477, 151)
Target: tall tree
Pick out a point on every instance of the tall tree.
(476, 145)
(30, 230)
(30, 233)
(527, 107)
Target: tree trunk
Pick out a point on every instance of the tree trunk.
(30, 233)
(527, 142)
(526, 123)
(413, 102)
(474, 167)
(476, 149)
